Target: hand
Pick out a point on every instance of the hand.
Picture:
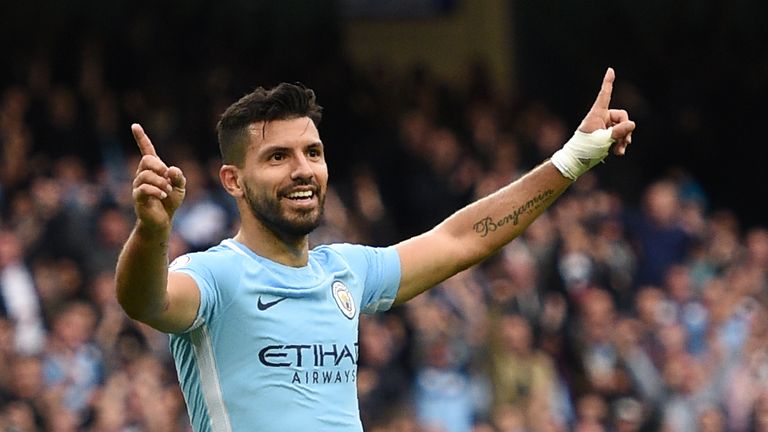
(158, 190)
(601, 117)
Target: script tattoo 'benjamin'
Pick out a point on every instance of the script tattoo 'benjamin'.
(488, 225)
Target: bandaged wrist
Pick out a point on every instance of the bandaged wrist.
(582, 152)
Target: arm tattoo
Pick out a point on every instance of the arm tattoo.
(488, 224)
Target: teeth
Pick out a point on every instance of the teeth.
(300, 195)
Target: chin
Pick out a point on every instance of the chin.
(300, 226)
(284, 221)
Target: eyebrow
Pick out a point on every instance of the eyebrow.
(272, 147)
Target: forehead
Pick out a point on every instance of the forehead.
(289, 132)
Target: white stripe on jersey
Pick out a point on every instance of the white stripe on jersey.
(209, 380)
(232, 245)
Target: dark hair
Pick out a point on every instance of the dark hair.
(283, 102)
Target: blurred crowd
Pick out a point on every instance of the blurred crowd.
(608, 314)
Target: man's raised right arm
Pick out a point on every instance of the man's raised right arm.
(145, 289)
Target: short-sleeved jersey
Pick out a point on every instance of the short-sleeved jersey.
(274, 348)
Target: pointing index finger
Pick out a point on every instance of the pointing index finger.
(604, 97)
(142, 140)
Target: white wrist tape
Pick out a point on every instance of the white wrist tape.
(582, 152)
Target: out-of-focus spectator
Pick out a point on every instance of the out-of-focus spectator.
(515, 284)
(746, 375)
(728, 328)
(201, 222)
(509, 418)
(442, 389)
(723, 246)
(18, 416)
(645, 378)
(628, 415)
(759, 421)
(19, 300)
(711, 419)
(59, 281)
(688, 391)
(614, 258)
(592, 413)
(112, 229)
(72, 364)
(374, 218)
(521, 376)
(27, 388)
(596, 321)
(689, 310)
(382, 380)
(657, 234)
(654, 311)
(447, 333)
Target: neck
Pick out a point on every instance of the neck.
(287, 250)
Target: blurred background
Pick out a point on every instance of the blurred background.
(638, 302)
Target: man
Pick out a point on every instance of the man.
(264, 330)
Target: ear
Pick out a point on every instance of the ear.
(230, 179)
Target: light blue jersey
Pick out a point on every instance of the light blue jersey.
(274, 348)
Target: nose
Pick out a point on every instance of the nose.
(302, 169)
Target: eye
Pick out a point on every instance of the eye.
(277, 156)
(315, 153)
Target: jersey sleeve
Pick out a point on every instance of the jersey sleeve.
(196, 266)
(380, 270)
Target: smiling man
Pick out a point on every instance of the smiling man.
(263, 329)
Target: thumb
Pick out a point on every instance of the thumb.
(622, 130)
(176, 176)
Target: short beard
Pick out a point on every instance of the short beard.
(269, 212)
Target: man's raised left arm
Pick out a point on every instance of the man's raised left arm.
(480, 229)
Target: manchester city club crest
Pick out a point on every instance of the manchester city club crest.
(343, 298)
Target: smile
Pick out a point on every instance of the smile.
(300, 195)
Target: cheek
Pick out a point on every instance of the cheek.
(322, 173)
(260, 186)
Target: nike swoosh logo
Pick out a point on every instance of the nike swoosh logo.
(265, 306)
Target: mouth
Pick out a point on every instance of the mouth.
(302, 195)
(304, 199)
